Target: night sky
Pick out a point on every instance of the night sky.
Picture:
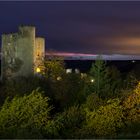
(78, 27)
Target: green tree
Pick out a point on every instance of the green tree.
(25, 117)
(115, 80)
(69, 91)
(72, 120)
(131, 111)
(93, 102)
(98, 72)
(131, 80)
(105, 121)
(22, 85)
(131, 105)
(53, 68)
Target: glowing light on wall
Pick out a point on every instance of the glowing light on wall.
(92, 80)
(38, 70)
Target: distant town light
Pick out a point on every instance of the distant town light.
(133, 61)
(83, 75)
(68, 70)
(92, 80)
(38, 70)
(77, 71)
(58, 78)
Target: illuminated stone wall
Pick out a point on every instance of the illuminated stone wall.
(39, 52)
(26, 43)
(19, 52)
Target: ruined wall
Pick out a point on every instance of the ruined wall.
(18, 52)
(22, 52)
(25, 50)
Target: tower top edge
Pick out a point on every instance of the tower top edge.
(9, 34)
(40, 38)
(26, 26)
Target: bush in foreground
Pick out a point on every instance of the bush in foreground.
(25, 117)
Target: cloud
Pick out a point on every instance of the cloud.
(82, 27)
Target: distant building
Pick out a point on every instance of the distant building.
(77, 71)
(22, 52)
(68, 70)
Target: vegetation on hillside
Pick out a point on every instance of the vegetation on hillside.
(103, 104)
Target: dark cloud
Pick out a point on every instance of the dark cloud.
(83, 27)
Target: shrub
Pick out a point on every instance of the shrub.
(69, 91)
(107, 120)
(131, 105)
(24, 117)
(131, 109)
(21, 85)
(93, 102)
(72, 120)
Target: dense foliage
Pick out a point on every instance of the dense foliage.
(99, 73)
(24, 117)
(59, 105)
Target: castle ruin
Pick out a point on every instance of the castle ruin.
(22, 52)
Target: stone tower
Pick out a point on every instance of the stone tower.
(21, 52)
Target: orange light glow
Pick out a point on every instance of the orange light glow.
(38, 70)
